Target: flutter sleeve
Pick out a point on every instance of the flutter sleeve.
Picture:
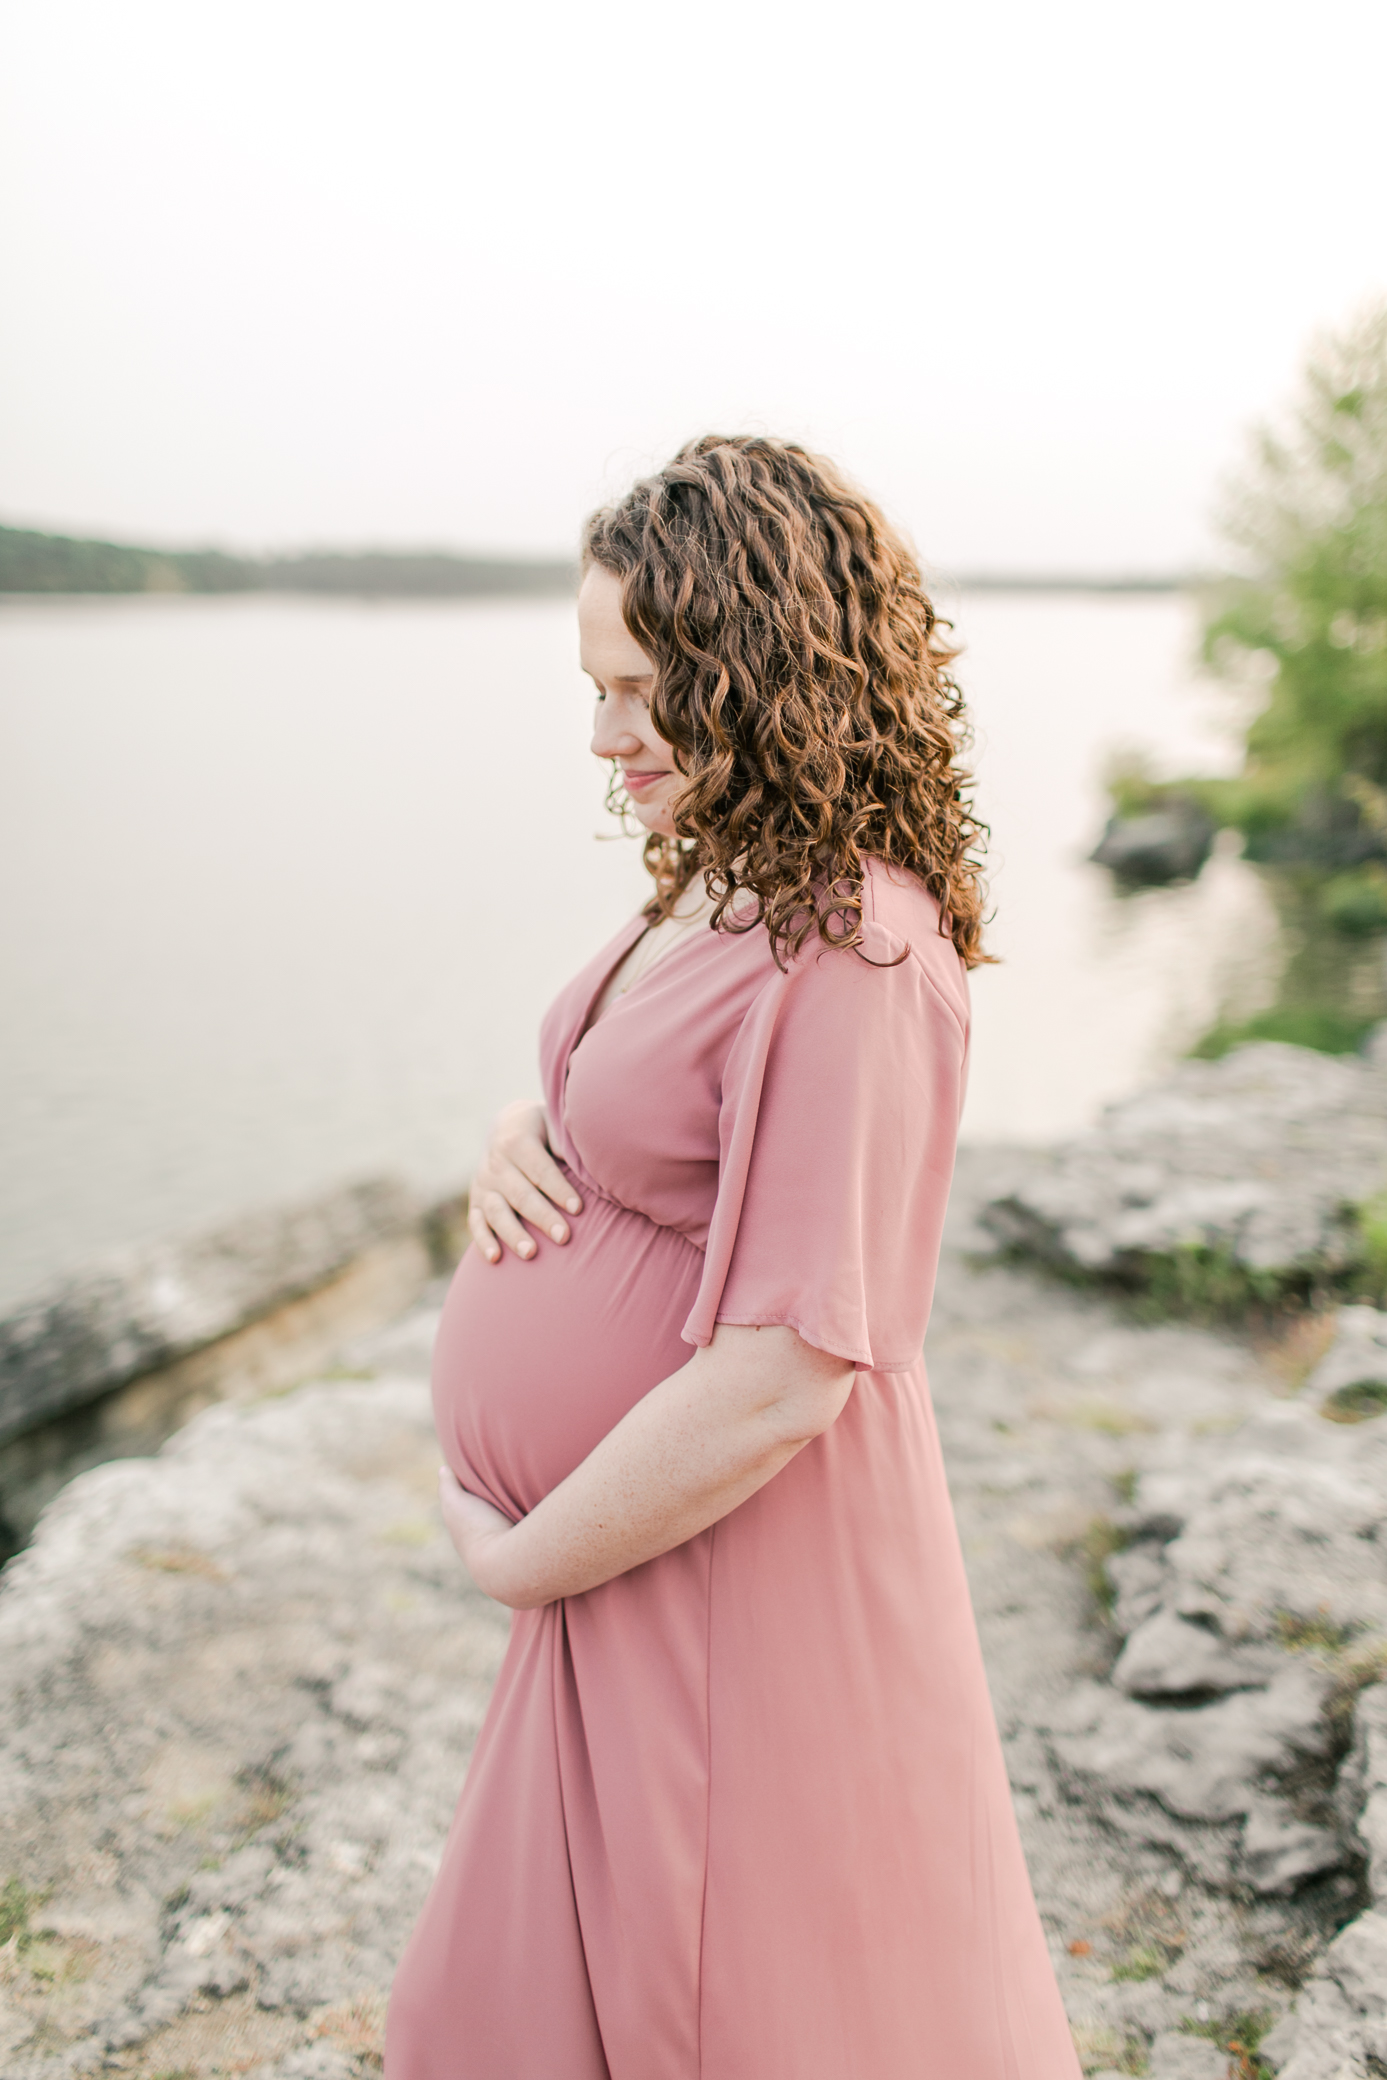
(837, 1130)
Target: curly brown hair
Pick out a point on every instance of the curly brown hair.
(802, 680)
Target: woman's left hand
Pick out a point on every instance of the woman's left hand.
(475, 1528)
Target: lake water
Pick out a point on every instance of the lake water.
(286, 885)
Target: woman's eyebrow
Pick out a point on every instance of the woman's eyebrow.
(618, 678)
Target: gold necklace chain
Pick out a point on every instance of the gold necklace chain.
(660, 939)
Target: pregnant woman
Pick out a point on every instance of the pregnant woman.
(738, 1810)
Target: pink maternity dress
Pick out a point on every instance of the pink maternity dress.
(740, 1814)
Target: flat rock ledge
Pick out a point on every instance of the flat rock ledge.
(239, 1682)
(145, 1308)
(107, 1363)
(1257, 1176)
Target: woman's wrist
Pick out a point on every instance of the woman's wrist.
(489, 1545)
(501, 1572)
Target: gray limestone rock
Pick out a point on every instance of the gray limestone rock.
(143, 1308)
(238, 1685)
(1250, 1598)
(314, 2062)
(1262, 1546)
(1167, 1657)
(1168, 842)
(1203, 1782)
(1341, 2019)
(1279, 1853)
(1139, 1579)
(1350, 1383)
(1275, 1530)
(1279, 2043)
(1176, 2055)
(1259, 1158)
(1325, 2039)
(1357, 1963)
(1372, 1818)
(1359, 1351)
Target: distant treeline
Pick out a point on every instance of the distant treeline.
(32, 562)
(1059, 581)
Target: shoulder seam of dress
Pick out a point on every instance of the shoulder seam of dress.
(935, 990)
(869, 890)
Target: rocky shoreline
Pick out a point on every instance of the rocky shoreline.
(1233, 1184)
(109, 1363)
(240, 1678)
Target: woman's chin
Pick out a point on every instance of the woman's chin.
(655, 818)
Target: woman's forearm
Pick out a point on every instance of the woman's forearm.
(694, 1448)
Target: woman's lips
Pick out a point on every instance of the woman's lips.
(635, 783)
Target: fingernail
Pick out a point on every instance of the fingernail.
(575, 1205)
(527, 1249)
(558, 1231)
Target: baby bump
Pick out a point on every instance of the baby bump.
(535, 1362)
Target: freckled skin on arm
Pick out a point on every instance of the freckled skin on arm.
(694, 1448)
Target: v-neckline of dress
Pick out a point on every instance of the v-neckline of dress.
(625, 947)
(591, 1018)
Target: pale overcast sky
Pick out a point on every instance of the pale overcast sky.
(313, 271)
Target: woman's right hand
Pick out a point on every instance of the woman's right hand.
(518, 1180)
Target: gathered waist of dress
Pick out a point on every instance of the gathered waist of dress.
(588, 1188)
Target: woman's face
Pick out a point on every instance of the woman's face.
(623, 676)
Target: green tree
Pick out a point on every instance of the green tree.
(1308, 620)
(1301, 628)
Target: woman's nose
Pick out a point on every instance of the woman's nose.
(611, 738)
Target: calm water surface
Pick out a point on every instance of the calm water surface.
(285, 887)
